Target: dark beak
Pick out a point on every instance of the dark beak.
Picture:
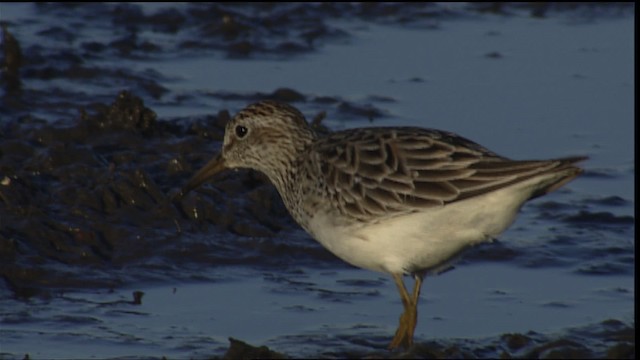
(213, 167)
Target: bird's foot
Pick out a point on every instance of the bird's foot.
(404, 334)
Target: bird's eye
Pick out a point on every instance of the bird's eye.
(241, 131)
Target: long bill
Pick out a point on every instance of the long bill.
(213, 167)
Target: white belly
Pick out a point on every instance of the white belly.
(424, 240)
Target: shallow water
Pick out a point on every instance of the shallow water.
(194, 319)
(524, 87)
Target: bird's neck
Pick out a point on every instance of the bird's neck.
(288, 175)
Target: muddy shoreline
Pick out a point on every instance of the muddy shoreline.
(88, 169)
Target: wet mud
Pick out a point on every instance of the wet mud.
(88, 168)
(616, 342)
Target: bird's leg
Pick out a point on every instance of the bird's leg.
(418, 276)
(404, 295)
(409, 318)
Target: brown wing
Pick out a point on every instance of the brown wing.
(380, 172)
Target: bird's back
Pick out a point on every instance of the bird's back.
(374, 173)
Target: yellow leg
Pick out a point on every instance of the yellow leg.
(409, 318)
(416, 287)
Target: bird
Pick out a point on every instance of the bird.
(397, 200)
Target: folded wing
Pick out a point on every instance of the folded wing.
(381, 172)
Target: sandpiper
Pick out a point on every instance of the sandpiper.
(399, 200)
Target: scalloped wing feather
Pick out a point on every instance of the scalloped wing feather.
(375, 173)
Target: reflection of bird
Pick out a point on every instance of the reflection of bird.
(398, 200)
